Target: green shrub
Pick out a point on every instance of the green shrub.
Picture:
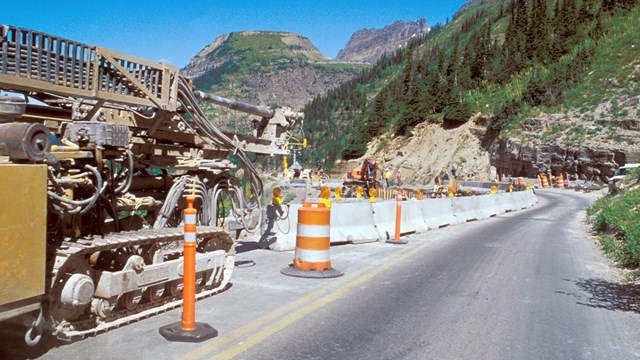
(616, 219)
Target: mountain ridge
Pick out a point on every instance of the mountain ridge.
(368, 45)
(270, 68)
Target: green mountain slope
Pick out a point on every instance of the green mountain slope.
(538, 73)
(265, 68)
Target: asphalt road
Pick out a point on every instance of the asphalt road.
(518, 287)
(523, 285)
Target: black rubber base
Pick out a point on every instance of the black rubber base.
(202, 332)
(397, 242)
(325, 274)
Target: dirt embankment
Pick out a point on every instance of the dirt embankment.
(431, 150)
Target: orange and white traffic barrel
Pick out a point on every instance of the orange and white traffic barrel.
(313, 245)
(545, 181)
(560, 182)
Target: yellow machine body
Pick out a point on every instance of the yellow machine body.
(23, 221)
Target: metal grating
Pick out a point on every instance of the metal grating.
(31, 61)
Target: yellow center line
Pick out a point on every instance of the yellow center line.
(266, 319)
(313, 301)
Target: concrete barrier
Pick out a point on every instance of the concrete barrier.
(464, 209)
(524, 199)
(533, 199)
(412, 216)
(384, 216)
(281, 234)
(486, 206)
(359, 221)
(353, 222)
(506, 202)
(438, 213)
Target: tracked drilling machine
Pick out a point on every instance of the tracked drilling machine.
(97, 149)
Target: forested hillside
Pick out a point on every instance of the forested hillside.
(507, 61)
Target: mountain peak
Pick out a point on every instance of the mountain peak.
(264, 44)
(368, 45)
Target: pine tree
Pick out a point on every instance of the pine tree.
(408, 70)
(377, 119)
(538, 25)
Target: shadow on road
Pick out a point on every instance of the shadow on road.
(599, 293)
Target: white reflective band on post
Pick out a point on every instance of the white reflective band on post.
(313, 255)
(190, 237)
(313, 230)
(190, 219)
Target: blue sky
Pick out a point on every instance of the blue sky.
(174, 31)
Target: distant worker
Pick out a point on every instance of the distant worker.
(399, 178)
(437, 187)
(371, 171)
(387, 177)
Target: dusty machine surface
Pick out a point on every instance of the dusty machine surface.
(97, 151)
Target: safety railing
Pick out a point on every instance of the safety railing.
(34, 61)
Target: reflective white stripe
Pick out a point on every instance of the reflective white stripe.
(190, 237)
(190, 219)
(313, 230)
(312, 255)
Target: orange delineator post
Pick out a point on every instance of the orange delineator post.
(189, 277)
(398, 213)
(398, 219)
(188, 330)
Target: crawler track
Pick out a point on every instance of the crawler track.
(211, 281)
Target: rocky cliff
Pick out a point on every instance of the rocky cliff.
(478, 153)
(368, 45)
(569, 142)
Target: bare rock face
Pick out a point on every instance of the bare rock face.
(368, 45)
(512, 157)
